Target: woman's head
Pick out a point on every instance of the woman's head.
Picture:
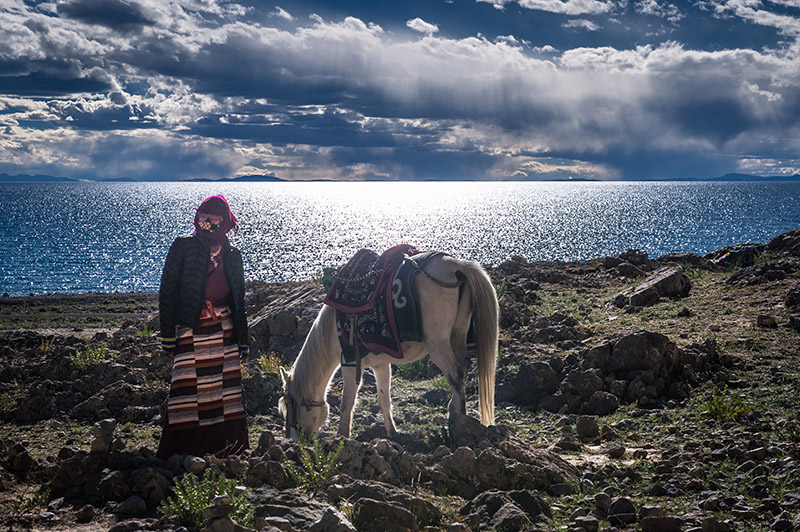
(214, 219)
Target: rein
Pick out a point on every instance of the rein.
(291, 410)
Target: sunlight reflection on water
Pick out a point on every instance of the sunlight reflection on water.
(107, 237)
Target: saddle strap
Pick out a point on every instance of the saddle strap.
(355, 341)
(431, 278)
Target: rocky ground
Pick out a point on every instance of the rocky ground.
(633, 394)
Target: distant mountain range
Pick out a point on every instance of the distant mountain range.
(39, 178)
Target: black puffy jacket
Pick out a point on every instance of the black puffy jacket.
(183, 286)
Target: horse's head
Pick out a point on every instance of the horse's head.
(301, 415)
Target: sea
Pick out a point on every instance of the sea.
(113, 237)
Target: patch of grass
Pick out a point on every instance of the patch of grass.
(437, 436)
(27, 502)
(90, 357)
(440, 381)
(144, 332)
(191, 496)
(316, 465)
(270, 363)
(415, 371)
(724, 406)
(47, 344)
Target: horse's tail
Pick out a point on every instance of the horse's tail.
(485, 311)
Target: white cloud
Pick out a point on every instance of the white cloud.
(755, 12)
(659, 9)
(566, 7)
(281, 13)
(417, 24)
(580, 23)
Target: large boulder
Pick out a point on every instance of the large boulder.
(664, 282)
(282, 317)
(426, 513)
(690, 259)
(639, 351)
(513, 510)
(737, 255)
(788, 242)
(792, 300)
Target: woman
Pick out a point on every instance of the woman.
(204, 326)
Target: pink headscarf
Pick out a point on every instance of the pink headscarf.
(218, 206)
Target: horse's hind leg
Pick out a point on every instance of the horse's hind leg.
(453, 367)
(349, 393)
(383, 380)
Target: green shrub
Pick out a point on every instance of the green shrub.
(90, 357)
(316, 465)
(269, 363)
(723, 406)
(191, 496)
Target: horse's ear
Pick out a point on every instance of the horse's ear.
(285, 377)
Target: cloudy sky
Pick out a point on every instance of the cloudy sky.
(420, 89)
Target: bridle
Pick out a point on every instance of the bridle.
(291, 410)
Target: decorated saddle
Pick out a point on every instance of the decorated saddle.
(375, 301)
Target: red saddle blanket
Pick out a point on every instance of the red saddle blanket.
(362, 295)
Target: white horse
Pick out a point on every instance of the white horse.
(446, 314)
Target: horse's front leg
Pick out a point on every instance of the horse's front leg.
(383, 380)
(349, 394)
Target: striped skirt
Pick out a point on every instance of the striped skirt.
(205, 410)
(206, 386)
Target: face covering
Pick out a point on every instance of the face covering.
(215, 230)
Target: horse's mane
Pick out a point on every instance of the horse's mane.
(313, 364)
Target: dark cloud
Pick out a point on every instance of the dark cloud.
(494, 93)
(114, 14)
(42, 83)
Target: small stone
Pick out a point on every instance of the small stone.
(103, 432)
(266, 440)
(276, 453)
(65, 453)
(602, 501)
(767, 322)
(649, 510)
(711, 524)
(194, 464)
(568, 443)
(221, 506)
(223, 524)
(133, 505)
(86, 513)
(333, 520)
(588, 523)
(758, 454)
(616, 451)
(622, 512)
(587, 427)
(661, 524)
(559, 490)
(782, 525)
